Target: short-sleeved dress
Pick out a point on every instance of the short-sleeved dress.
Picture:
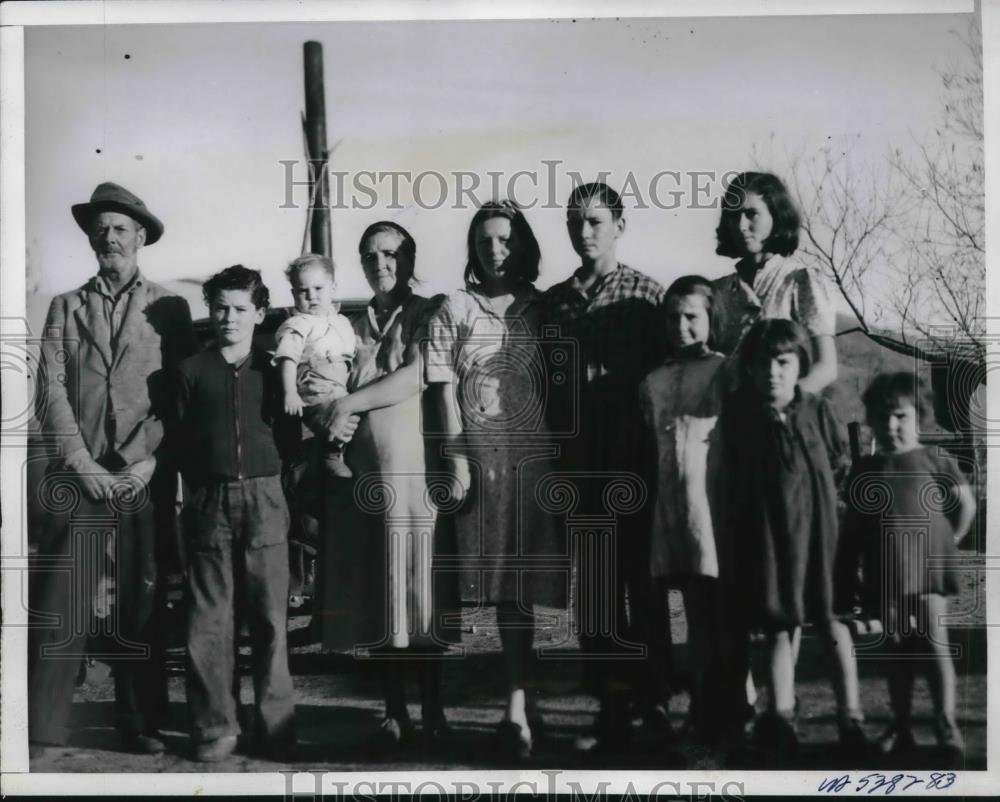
(900, 509)
(680, 403)
(509, 548)
(378, 586)
(778, 541)
(783, 288)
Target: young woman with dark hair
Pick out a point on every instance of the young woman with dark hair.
(759, 226)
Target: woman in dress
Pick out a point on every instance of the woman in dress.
(485, 367)
(378, 596)
(760, 227)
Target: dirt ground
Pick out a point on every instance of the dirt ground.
(338, 706)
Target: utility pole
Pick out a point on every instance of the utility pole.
(315, 125)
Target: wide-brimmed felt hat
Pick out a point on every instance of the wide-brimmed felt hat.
(109, 197)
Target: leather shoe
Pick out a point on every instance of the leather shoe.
(602, 744)
(215, 750)
(656, 722)
(612, 733)
(282, 751)
(391, 736)
(512, 741)
(438, 734)
(143, 743)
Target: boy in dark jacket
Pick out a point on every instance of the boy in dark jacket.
(228, 421)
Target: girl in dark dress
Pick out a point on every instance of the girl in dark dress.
(906, 504)
(777, 545)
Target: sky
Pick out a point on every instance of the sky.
(197, 119)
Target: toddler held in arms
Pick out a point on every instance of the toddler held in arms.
(315, 351)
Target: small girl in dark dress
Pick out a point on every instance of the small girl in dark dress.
(783, 448)
(906, 504)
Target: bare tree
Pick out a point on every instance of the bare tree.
(944, 232)
(848, 215)
(903, 240)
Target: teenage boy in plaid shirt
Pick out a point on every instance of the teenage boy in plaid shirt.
(614, 314)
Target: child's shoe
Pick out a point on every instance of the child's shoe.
(853, 741)
(897, 740)
(949, 736)
(215, 750)
(437, 734)
(656, 722)
(734, 733)
(612, 733)
(777, 734)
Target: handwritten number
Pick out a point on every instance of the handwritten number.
(937, 780)
(892, 784)
(941, 780)
(881, 782)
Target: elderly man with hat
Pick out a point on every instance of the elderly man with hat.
(107, 350)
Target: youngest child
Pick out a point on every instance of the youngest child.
(907, 506)
(315, 350)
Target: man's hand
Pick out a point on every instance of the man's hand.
(131, 480)
(142, 470)
(293, 402)
(94, 479)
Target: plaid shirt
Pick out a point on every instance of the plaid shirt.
(617, 324)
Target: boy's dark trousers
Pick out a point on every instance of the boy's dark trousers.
(238, 563)
(613, 442)
(72, 554)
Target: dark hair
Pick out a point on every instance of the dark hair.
(296, 266)
(598, 191)
(890, 389)
(773, 337)
(237, 277)
(526, 270)
(693, 285)
(784, 236)
(407, 247)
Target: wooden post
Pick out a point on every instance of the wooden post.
(320, 236)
